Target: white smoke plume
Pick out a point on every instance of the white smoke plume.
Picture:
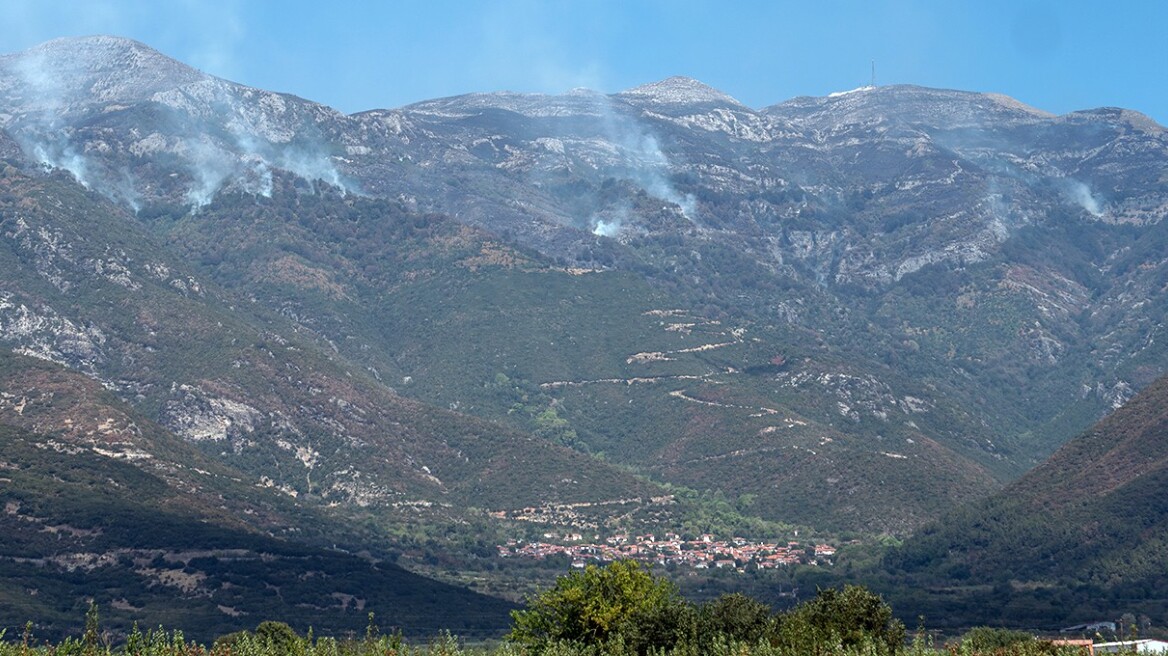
(255, 173)
(646, 164)
(243, 160)
(602, 228)
(311, 166)
(1080, 194)
(54, 154)
(124, 189)
(248, 166)
(43, 136)
(1004, 218)
(257, 176)
(652, 176)
(210, 168)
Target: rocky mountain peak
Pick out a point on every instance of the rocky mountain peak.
(1115, 115)
(677, 90)
(908, 104)
(71, 71)
(573, 103)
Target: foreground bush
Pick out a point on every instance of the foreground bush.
(848, 618)
(984, 638)
(618, 604)
(623, 609)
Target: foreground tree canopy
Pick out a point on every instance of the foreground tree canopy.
(623, 607)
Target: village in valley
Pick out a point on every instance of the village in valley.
(704, 552)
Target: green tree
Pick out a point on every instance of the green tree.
(277, 635)
(988, 639)
(622, 601)
(850, 617)
(737, 618)
(92, 636)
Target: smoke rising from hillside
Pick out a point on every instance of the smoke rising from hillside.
(55, 130)
(312, 165)
(608, 143)
(606, 228)
(652, 176)
(42, 135)
(248, 164)
(609, 223)
(248, 167)
(210, 167)
(1080, 194)
(645, 163)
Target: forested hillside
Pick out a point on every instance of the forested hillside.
(1079, 537)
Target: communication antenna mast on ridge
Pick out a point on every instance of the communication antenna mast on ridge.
(873, 73)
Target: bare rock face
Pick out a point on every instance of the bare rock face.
(43, 333)
(69, 75)
(677, 90)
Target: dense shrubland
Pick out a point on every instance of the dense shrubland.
(620, 609)
(623, 608)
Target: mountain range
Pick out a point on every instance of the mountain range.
(848, 314)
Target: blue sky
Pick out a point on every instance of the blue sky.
(1056, 55)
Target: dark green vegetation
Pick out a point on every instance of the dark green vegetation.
(1080, 537)
(855, 311)
(623, 608)
(985, 638)
(602, 362)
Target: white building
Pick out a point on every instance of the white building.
(1139, 646)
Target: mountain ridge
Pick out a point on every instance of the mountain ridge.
(98, 65)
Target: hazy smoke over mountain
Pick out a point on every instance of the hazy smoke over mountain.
(646, 164)
(257, 178)
(210, 167)
(652, 176)
(972, 143)
(247, 165)
(312, 166)
(248, 168)
(68, 97)
(609, 223)
(606, 228)
(1080, 194)
(1002, 219)
(43, 136)
(56, 154)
